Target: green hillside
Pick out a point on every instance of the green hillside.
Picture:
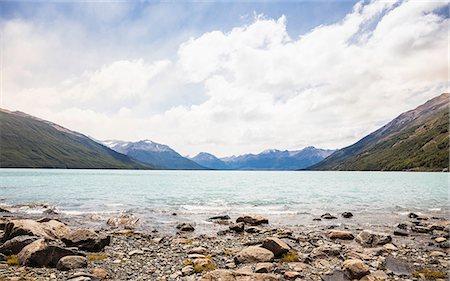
(416, 140)
(28, 142)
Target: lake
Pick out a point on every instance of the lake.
(285, 197)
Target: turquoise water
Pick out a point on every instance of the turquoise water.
(284, 197)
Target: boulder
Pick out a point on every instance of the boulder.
(355, 269)
(347, 215)
(71, 262)
(254, 254)
(41, 254)
(87, 240)
(291, 274)
(253, 220)
(343, 235)
(128, 221)
(328, 216)
(231, 275)
(276, 246)
(16, 244)
(185, 227)
(49, 230)
(237, 227)
(370, 239)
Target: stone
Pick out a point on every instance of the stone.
(253, 220)
(337, 275)
(420, 229)
(135, 252)
(355, 269)
(245, 269)
(128, 221)
(71, 262)
(398, 266)
(198, 250)
(231, 275)
(185, 227)
(16, 244)
(326, 250)
(222, 217)
(187, 270)
(298, 266)
(413, 216)
(390, 246)
(291, 274)
(347, 215)
(264, 267)
(80, 278)
(437, 240)
(400, 232)
(176, 274)
(40, 254)
(437, 254)
(343, 235)
(87, 240)
(100, 273)
(328, 216)
(237, 227)
(277, 246)
(3, 257)
(252, 229)
(4, 210)
(370, 239)
(254, 254)
(49, 230)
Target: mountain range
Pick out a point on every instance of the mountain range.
(416, 140)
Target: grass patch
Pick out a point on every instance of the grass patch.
(97, 257)
(428, 274)
(227, 253)
(186, 263)
(206, 267)
(290, 256)
(12, 260)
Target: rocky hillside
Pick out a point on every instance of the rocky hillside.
(29, 142)
(154, 153)
(416, 140)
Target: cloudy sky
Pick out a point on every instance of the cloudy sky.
(226, 77)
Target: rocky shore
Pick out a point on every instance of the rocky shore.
(245, 248)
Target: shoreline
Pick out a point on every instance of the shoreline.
(417, 248)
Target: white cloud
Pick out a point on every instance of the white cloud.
(251, 88)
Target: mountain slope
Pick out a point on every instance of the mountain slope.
(416, 140)
(210, 161)
(154, 153)
(29, 142)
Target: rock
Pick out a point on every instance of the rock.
(100, 273)
(438, 240)
(237, 227)
(71, 262)
(231, 275)
(222, 217)
(291, 274)
(400, 232)
(50, 230)
(355, 269)
(420, 229)
(16, 244)
(4, 210)
(245, 269)
(187, 270)
(252, 229)
(378, 275)
(135, 252)
(276, 246)
(80, 278)
(185, 227)
(198, 250)
(317, 219)
(298, 266)
(176, 274)
(128, 221)
(368, 238)
(50, 211)
(328, 216)
(253, 220)
(40, 254)
(3, 257)
(397, 266)
(347, 215)
(254, 254)
(87, 240)
(437, 254)
(337, 275)
(327, 250)
(196, 256)
(343, 235)
(264, 267)
(390, 247)
(413, 216)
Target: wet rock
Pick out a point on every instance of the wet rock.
(398, 266)
(343, 235)
(413, 216)
(222, 217)
(370, 239)
(16, 244)
(100, 273)
(337, 275)
(71, 262)
(4, 210)
(187, 227)
(355, 269)
(237, 227)
(328, 216)
(50, 230)
(264, 267)
(40, 254)
(128, 221)
(277, 246)
(254, 254)
(347, 215)
(253, 220)
(85, 239)
(231, 275)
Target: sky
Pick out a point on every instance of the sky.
(225, 77)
